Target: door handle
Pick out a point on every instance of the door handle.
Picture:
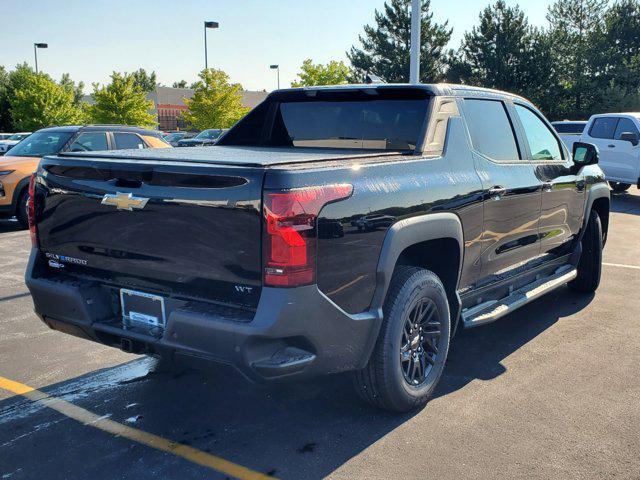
(580, 184)
(497, 192)
(611, 146)
(547, 186)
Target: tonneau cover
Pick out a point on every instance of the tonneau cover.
(228, 155)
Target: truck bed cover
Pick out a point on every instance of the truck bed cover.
(232, 155)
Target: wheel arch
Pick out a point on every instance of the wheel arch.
(21, 187)
(599, 201)
(434, 242)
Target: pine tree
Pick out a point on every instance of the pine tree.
(386, 48)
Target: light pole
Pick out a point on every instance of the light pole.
(207, 25)
(416, 21)
(36, 46)
(276, 67)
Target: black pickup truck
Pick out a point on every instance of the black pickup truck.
(333, 229)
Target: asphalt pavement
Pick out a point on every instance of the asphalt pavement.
(550, 391)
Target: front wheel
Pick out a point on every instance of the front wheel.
(619, 187)
(590, 264)
(412, 346)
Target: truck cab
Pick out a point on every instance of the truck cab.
(617, 136)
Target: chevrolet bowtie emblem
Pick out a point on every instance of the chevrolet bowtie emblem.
(124, 201)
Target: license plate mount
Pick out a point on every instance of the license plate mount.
(142, 309)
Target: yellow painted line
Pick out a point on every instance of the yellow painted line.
(634, 267)
(149, 439)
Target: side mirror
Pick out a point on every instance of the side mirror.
(585, 154)
(630, 137)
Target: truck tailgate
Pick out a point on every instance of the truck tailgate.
(197, 235)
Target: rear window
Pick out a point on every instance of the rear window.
(373, 125)
(351, 119)
(603, 127)
(490, 129)
(575, 128)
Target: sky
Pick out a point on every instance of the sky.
(90, 39)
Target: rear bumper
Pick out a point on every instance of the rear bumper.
(295, 332)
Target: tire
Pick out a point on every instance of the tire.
(619, 187)
(590, 264)
(21, 209)
(386, 380)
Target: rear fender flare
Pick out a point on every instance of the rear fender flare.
(408, 232)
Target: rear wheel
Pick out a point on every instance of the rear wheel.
(22, 209)
(619, 187)
(412, 346)
(590, 264)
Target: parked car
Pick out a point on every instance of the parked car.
(5, 136)
(569, 131)
(205, 137)
(17, 166)
(174, 137)
(617, 136)
(215, 254)
(6, 144)
(373, 221)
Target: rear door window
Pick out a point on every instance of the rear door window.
(625, 126)
(490, 129)
(603, 127)
(126, 141)
(90, 141)
(542, 142)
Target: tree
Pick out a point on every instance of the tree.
(618, 65)
(146, 82)
(5, 117)
(386, 48)
(574, 24)
(216, 102)
(498, 52)
(122, 102)
(180, 84)
(78, 90)
(40, 102)
(333, 73)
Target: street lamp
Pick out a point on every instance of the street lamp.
(207, 25)
(276, 67)
(36, 46)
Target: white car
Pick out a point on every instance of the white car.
(617, 136)
(5, 145)
(569, 131)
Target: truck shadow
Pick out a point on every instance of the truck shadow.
(625, 203)
(304, 429)
(7, 225)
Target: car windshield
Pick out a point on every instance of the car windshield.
(39, 144)
(173, 137)
(18, 136)
(208, 134)
(575, 128)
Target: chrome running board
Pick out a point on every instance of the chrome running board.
(491, 311)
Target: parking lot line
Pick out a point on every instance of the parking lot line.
(149, 439)
(621, 265)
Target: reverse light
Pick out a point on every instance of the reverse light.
(31, 211)
(290, 232)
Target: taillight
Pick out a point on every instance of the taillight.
(290, 232)
(31, 211)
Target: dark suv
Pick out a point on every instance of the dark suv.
(251, 252)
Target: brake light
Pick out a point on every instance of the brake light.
(31, 211)
(290, 232)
